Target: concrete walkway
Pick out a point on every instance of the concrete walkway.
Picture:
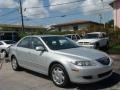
(115, 57)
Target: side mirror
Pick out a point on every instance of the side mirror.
(40, 48)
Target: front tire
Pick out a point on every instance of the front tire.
(97, 46)
(14, 64)
(107, 46)
(4, 53)
(59, 75)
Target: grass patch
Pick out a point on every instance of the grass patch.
(116, 47)
(114, 50)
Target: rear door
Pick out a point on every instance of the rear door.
(103, 40)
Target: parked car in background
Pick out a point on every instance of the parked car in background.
(61, 59)
(94, 40)
(74, 37)
(4, 44)
(9, 35)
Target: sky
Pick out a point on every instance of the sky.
(51, 12)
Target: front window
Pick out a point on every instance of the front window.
(25, 43)
(59, 42)
(35, 42)
(91, 36)
(69, 36)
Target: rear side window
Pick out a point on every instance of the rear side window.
(1, 43)
(9, 42)
(104, 35)
(78, 37)
(73, 37)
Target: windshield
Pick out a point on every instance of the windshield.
(59, 42)
(91, 36)
(69, 36)
(9, 42)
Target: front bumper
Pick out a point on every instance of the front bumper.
(89, 75)
(88, 46)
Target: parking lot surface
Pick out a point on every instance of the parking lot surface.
(28, 80)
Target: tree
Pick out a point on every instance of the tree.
(110, 23)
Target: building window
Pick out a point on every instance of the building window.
(75, 27)
(59, 29)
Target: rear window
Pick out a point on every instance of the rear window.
(90, 36)
(9, 42)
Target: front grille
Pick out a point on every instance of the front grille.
(81, 43)
(104, 74)
(87, 77)
(104, 61)
(84, 43)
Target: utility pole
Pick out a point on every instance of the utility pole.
(100, 17)
(21, 12)
(103, 12)
(116, 15)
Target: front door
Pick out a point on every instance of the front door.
(37, 59)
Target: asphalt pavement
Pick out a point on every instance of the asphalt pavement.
(29, 80)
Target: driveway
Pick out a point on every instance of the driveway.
(28, 80)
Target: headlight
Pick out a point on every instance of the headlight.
(83, 63)
(92, 43)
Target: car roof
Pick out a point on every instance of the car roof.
(5, 40)
(42, 35)
(95, 32)
(71, 34)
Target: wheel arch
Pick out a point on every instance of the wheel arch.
(53, 63)
(12, 56)
(3, 50)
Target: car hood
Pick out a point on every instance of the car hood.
(81, 52)
(88, 40)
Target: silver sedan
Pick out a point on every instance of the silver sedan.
(61, 59)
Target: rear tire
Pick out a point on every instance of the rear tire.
(14, 64)
(59, 75)
(107, 46)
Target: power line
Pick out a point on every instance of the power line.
(50, 5)
(10, 19)
(58, 4)
(94, 12)
(12, 22)
(26, 19)
(8, 13)
(67, 3)
(16, 18)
